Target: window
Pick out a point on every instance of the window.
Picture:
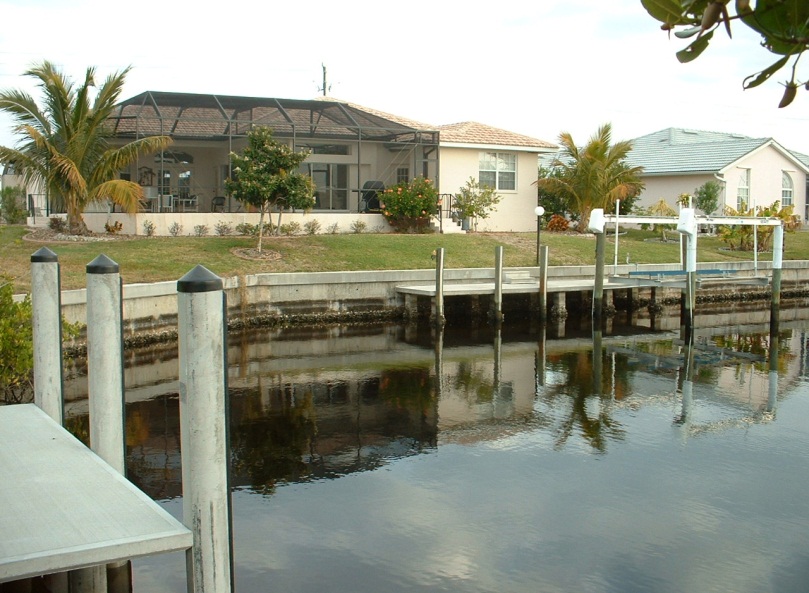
(338, 149)
(787, 189)
(498, 170)
(403, 175)
(331, 185)
(743, 191)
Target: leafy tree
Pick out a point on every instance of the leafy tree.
(12, 199)
(476, 201)
(64, 143)
(661, 208)
(265, 175)
(706, 196)
(782, 24)
(16, 345)
(594, 176)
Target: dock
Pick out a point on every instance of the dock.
(64, 508)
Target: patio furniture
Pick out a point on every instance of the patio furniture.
(369, 196)
(218, 204)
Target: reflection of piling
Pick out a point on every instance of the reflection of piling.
(46, 305)
(204, 429)
(597, 360)
(106, 383)
(772, 393)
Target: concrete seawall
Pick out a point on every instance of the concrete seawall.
(259, 298)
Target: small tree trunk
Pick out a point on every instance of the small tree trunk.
(261, 225)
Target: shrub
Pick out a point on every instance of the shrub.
(312, 227)
(223, 228)
(558, 224)
(113, 228)
(247, 229)
(58, 224)
(148, 228)
(409, 206)
(175, 229)
(200, 230)
(358, 227)
(12, 205)
(333, 229)
(290, 228)
(16, 345)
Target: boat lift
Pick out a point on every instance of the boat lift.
(687, 224)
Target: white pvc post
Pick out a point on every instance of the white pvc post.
(105, 361)
(46, 303)
(687, 225)
(204, 430)
(596, 225)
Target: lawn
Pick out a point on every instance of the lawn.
(169, 258)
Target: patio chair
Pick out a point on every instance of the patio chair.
(218, 204)
(369, 198)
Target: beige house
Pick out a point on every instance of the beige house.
(354, 152)
(753, 171)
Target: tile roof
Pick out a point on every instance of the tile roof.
(471, 132)
(676, 150)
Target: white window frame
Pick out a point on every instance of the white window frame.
(743, 190)
(501, 169)
(787, 189)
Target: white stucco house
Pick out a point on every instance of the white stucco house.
(354, 151)
(754, 171)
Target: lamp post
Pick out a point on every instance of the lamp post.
(539, 211)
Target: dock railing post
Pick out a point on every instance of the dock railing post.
(46, 320)
(204, 430)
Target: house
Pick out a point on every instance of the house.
(751, 171)
(354, 151)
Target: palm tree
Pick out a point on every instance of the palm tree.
(594, 176)
(64, 143)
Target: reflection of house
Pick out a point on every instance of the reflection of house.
(754, 171)
(352, 148)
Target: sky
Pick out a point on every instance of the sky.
(536, 68)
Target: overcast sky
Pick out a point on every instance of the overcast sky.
(537, 68)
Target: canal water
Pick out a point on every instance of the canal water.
(390, 458)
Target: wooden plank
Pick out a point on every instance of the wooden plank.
(62, 507)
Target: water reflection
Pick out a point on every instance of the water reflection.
(413, 459)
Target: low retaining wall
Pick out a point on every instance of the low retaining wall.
(258, 298)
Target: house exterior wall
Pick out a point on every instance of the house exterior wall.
(515, 212)
(669, 188)
(766, 167)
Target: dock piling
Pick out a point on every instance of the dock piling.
(46, 304)
(204, 430)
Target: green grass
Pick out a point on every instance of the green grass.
(169, 258)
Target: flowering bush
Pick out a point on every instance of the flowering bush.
(408, 207)
(558, 224)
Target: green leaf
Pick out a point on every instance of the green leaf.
(686, 33)
(693, 51)
(666, 11)
(764, 74)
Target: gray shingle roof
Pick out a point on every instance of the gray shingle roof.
(676, 150)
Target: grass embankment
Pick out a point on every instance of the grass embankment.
(169, 258)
